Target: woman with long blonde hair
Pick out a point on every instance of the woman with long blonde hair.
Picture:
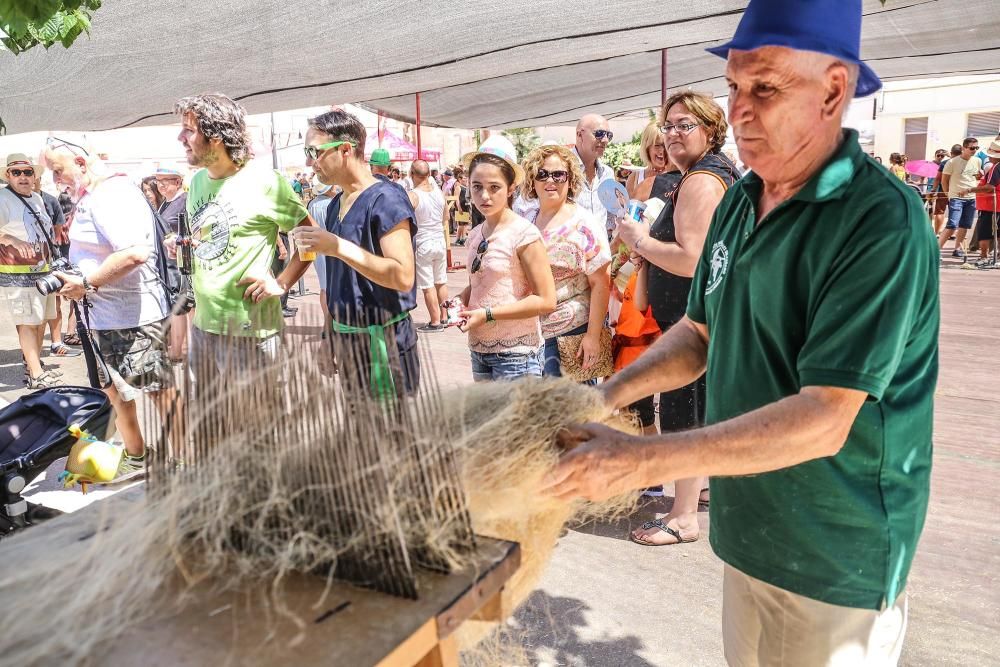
(653, 154)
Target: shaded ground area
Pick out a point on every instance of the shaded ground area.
(606, 601)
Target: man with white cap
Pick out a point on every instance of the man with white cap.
(821, 347)
(24, 258)
(170, 183)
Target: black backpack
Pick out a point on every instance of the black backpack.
(180, 294)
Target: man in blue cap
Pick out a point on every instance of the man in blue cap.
(819, 340)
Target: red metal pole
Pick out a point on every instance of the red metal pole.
(663, 77)
(420, 154)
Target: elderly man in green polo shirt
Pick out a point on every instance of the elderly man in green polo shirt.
(820, 344)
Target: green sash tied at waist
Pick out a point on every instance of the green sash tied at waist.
(381, 374)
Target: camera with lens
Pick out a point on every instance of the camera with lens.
(51, 283)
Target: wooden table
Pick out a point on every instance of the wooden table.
(353, 627)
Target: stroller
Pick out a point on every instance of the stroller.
(34, 432)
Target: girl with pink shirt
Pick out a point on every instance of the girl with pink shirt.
(510, 281)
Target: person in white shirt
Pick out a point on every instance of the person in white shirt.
(592, 138)
(112, 239)
(431, 249)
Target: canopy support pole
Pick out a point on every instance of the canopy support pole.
(420, 153)
(663, 77)
(378, 129)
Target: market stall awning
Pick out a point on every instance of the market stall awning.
(476, 65)
(400, 150)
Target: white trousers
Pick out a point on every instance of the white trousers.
(771, 627)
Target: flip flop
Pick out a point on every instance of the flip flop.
(71, 339)
(658, 523)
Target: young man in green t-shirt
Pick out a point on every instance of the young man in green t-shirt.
(236, 207)
(820, 345)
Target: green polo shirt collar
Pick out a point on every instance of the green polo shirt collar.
(830, 182)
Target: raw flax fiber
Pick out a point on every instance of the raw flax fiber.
(264, 465)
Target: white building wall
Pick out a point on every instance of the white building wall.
(946, 103)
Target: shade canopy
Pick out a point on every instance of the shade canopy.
(510, 64)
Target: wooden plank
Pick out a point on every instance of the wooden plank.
(485, 588)
(345, 626)
(422, 642)
(444, 654)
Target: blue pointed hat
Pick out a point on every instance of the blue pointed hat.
(825, 26)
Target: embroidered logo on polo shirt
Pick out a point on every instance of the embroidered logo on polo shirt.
(720, 262)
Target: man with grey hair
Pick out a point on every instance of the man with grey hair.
(112, 241)
(821, 348)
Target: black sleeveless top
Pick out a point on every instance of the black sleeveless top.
(668, 292)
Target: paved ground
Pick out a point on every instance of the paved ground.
(607, 601)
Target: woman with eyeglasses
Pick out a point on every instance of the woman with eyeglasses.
(694, 130)
(578, 252)
(653, 153)
(510, 282)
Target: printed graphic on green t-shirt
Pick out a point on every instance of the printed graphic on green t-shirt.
(235, 222)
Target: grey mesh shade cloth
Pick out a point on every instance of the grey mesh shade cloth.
(509, 64)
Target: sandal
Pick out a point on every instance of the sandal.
(63, 350)
(44, 381)
(71, 339)
(703, 499)
(658, 523)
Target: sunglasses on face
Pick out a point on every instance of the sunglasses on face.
(314, 152)
(21, 172)
(600, 135)
(477, 263)
(558, 176)
(680, 128)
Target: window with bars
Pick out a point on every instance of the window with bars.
(985, 124)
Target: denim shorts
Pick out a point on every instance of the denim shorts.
(505, 365)
(961, 213)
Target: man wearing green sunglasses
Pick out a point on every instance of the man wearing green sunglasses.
(368, 245)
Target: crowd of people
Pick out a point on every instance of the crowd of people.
(745, 303)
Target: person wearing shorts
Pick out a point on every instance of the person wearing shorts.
(431, 247)
(126, 308)
(24, 259)
(961, 174)
(986, 203)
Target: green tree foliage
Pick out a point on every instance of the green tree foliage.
(28, 23)
(616, 154)
(524, 139)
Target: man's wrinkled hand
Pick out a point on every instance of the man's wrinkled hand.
(601, 463)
